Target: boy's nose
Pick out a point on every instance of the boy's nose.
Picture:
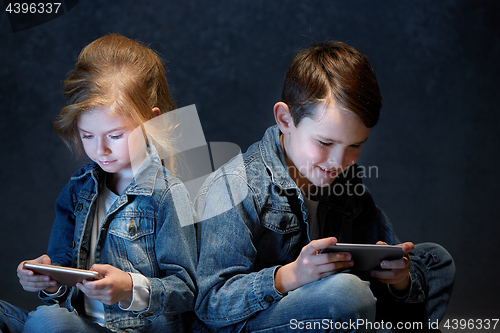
(336, 159)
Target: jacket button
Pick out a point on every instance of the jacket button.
(72, 245)
(79, 207)
(269, 299)
(132, 229)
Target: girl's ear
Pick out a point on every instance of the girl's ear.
(283, 117)
(156, 111)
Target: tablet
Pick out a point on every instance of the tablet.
(367, 256)
(63, 275)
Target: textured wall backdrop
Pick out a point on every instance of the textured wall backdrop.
(435, 148)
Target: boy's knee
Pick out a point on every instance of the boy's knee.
(350, 297)
(436, 258)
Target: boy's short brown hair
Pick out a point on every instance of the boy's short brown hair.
(332, 70)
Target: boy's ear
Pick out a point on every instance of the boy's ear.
(283, 117)
(156, 111)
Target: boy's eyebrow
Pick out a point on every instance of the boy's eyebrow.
(336, 141)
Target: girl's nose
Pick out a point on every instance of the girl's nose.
(102, 148)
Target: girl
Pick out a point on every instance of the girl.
(117, 215)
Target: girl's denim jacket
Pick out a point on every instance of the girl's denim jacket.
(254, 220)
(148, 230)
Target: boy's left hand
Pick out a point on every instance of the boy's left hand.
(114, 287)
(395, 272)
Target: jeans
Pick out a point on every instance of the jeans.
(342, 298)
(439, 273)
(335, 303)
(12, 319)
(46, 318)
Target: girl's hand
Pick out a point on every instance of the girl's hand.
(396, 272)
(36, 282)
(311, 266)
(114, 287)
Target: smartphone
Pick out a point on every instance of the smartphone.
(63, 275)
(367, 257)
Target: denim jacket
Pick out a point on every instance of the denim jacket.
(148, 230)
(254, 220)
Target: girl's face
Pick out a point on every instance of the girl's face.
(111, 141)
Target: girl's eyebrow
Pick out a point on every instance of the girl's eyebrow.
(121, 128)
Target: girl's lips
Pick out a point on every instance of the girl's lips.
(106, 162)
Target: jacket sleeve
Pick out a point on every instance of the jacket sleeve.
(230, 289)
(61, 238)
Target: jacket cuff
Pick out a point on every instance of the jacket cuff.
(264, 287)
(55, 298)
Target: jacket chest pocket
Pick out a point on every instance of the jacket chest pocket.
(280, 238)
(131, 240)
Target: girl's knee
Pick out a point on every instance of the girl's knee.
(46, 318)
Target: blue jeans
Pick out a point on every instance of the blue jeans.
(439, 273)
(54, 318)
(46, 318)
(342, 298)
(334, 303)
(12, 319)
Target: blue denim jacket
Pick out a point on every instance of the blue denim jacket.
(148, 230)
(254, 220)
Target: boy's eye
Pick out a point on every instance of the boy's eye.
(356, 146)
(324, 144)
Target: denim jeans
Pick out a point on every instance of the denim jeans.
(46, 318)
(335, 303)
(12, 319)
(437, 268)
(340, 299)
(53, 318)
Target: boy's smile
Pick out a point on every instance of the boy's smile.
(322, 147)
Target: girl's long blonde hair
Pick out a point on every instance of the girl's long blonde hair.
(117, 72)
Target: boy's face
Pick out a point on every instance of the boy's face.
(322, 147)
(109, 140)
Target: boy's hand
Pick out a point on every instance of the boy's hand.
(36, 282)
(395, 272)
(311, 266)
(114, 287)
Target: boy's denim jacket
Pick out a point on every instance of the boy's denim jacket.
(254, 220)
(148, 230)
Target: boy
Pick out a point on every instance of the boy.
(297, 191)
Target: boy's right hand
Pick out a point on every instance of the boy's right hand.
(311, 266)
(35, 282)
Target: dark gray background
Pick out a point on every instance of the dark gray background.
(435, 147)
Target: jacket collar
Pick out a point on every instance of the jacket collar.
(274, 159)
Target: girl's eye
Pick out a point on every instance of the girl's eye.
(116, 137)
(86, 136)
